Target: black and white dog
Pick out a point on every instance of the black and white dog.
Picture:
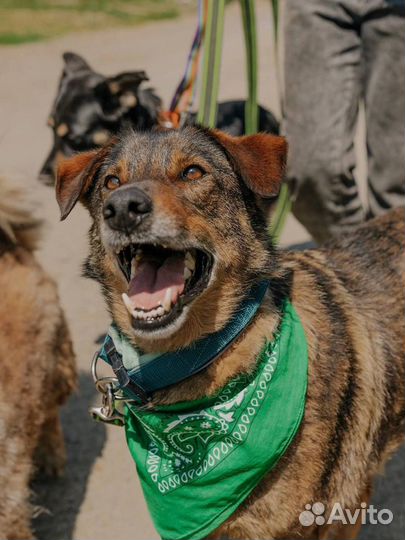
(89, 108)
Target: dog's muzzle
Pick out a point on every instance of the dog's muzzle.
(126, 208)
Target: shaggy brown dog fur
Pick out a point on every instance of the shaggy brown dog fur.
(37, 367)
(204, 190)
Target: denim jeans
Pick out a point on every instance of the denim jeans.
(335, 54)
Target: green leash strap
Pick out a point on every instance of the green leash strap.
(207, 112)
(281, 212)
(249, 28)
(274, 4)
(283, 206)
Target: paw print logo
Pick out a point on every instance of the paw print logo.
(312, 514)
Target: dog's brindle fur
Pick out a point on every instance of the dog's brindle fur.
(349, 296)
(38, 371)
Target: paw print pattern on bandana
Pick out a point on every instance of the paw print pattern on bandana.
(187, 446)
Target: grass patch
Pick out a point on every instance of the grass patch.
(16, 39)
(24, 21)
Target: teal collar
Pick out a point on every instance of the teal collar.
(140, 375)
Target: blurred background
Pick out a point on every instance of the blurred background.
(27, 21)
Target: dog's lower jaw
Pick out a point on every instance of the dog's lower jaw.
(206, 314)
(147, 338)
(240, 358)
(164, 339)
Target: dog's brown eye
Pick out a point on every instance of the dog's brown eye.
(194, 172)
(112, 182)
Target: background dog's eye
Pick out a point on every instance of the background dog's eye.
(194, 172)
(112, 182)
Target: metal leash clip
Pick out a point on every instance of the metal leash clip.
(110, 391)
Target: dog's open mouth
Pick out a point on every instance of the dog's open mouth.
(161, 282)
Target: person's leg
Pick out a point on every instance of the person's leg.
(322, 81)
(383, 37)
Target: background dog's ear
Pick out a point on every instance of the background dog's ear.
(126, 82)
(75, 63)
(260, 159)
(119, 93)
(72, 180)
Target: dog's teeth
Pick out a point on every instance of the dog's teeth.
(187, 273)
(148, 315)
(127, 303)
(190, 261)
(167, 302)
(139, 314)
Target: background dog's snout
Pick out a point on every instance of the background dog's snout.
(126, 207)
(47, 173)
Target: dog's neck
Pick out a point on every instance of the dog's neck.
(202, 368)
(240, 358)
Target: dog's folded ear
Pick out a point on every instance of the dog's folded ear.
(124, 85)
(126, 81)
(260, 160)
(120, 92)
(73, 179)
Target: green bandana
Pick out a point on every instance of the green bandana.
(199, 460)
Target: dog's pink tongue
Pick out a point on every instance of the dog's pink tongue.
(148, 289)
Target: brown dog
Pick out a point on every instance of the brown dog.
(37, 366)
(185, 210)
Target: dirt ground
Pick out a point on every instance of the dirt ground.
(99, 497)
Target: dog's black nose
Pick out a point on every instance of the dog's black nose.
(126, 207)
